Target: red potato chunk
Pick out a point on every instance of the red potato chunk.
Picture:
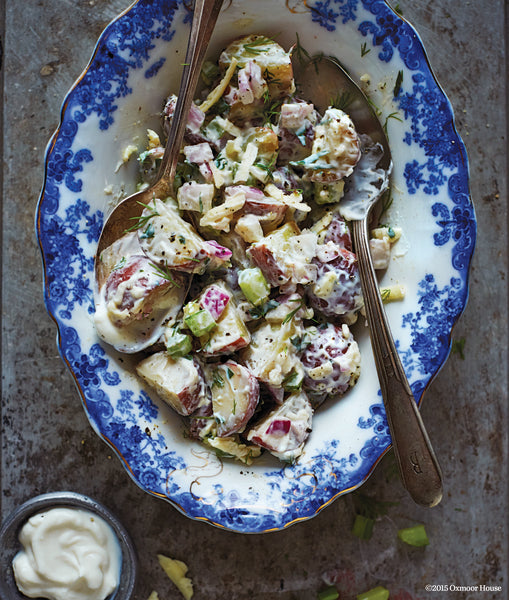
(132, 289)
(331, 361)
(336, 148)
(135, 298)
(272, 356)
(269, 211)
(170, 241)
(285, 255)
(338, 232)
(230, 334)
(178, 381)
(337, 290)
(296, 131)
(263, 257)
(259, 204)
(284, 430)
(235, 394)
(195, 120)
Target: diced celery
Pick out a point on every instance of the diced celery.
(179, 344)
(377, 593)
(363, 527)
(200, 322)
(414, 536)
(254, 285)
(330, 593)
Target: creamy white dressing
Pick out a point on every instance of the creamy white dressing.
(173, 241)
(68, 554)
(139, 333)
(271, 356)
(335, 146)
(366, 184)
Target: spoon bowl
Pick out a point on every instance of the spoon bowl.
(325, 82)
(129, 209)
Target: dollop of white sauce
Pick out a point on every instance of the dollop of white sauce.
(68, 554)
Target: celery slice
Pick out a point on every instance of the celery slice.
(179, 344)
(363, 527)
(200, 322)
(330, 593)
(377, 593)
(254, 285)
(414, 536)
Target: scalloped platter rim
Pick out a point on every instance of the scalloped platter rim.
(118, 96)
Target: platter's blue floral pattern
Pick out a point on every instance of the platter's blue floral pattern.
(432, 170)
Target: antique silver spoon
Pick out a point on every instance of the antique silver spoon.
(121, 218)
(321, 80)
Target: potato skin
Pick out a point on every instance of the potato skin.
(235, 394)
(178, 381)
(285, 429)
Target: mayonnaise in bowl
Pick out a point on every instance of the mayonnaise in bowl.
(68, 554)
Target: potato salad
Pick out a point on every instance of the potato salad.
(237, 295)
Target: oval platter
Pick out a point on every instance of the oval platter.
(135, 65)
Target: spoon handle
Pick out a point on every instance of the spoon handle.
(418, 465)
(204, 19)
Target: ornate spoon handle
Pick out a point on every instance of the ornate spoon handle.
(418, 465)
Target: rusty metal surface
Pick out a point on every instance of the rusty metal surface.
(47, 443)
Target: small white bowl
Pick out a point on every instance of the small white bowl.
(10, 545)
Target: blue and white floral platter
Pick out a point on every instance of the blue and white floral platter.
(136, 64)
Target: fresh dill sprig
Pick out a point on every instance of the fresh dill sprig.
(269, 167)
(300, 52)
(316, 60)
(299, 342)
(272, 110)
(217, 378)
(221, 162)
(260, 311)
(165, 273)
(270, 78)
(342, 101)
(149, 232)
(254, 47)
(364, 49)
(142, 220)
(291, 314)
(391, 116)
(376, 108)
